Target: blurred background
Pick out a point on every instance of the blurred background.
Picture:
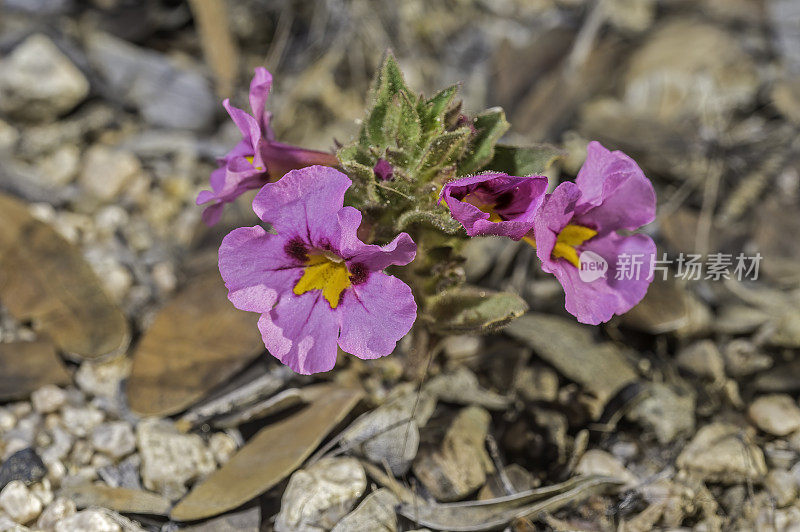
(110, 123)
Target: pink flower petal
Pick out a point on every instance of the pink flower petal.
(256, 268)
(375, 315)
(304, 203)
(301, 332)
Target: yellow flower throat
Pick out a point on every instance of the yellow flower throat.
(326, 272)
(568, 239)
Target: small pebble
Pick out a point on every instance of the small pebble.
(55, 512)
(19, 503)
(223, 447)
(116, 439)
(776, 414)
(48, 399)
(88, 521)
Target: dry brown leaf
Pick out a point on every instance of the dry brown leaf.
(269, 457)
(26, 366)
(44, 278)
(197, 341)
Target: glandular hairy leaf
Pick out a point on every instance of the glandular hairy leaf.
(490, 125)
(440, 219)
(442, 151)
(470, 309)
(522, 161)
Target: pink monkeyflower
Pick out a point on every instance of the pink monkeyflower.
(495, 204)
(313, 281)
(257, 159)
(610, 193)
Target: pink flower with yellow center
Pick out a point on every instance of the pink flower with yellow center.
(314, 282)
(610, 193)
(257, 159)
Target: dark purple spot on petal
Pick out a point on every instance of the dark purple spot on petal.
(358, 274)
(296, 249)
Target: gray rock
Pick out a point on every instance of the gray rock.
(170, 459)
(123, 475)
(319, 496)
(167, 94)
(374, 514)
(776, 414)
(666, 411)
(782, 485)
(116, 439)
(107, 170)
(80, 421)
(382, 435)
(88, 521)
(38, 82)
(703, 359)
(102, 378)
(25, 466)
(722, 452)
(19, 503)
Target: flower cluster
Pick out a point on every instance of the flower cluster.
(611, 193)
(319, 286)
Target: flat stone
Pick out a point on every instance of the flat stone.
(170, 460)
(459, 465)
(722, 452)
(375, 514)
(24, 466)
(597, 462)
(317, 497)
(38, 82)
(19, 503)
(776, 414)
(168, 94)
(382, 436)
(107, 170)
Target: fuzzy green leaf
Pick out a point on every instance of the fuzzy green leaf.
(442, 151)
(469, 309)
(490, 126)
(438, 218)
(521, 161)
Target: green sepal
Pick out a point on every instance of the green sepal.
(469, 309)
(521, 161)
